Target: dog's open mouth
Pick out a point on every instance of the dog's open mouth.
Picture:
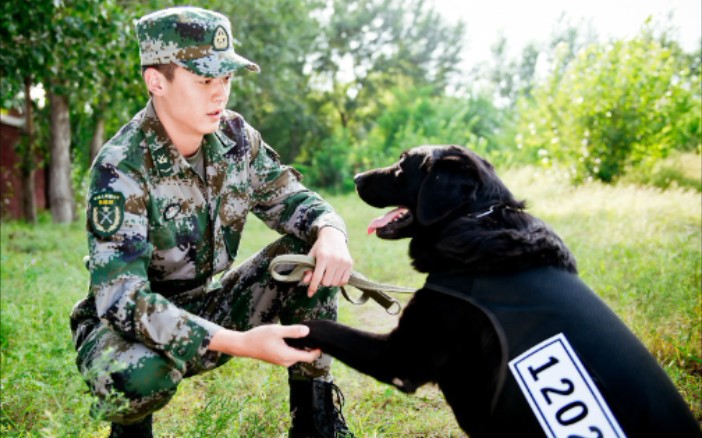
(390, 223)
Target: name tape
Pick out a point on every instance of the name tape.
(561, 393)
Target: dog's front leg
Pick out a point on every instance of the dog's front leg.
(368, 353)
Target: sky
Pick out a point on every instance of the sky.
(522, 21)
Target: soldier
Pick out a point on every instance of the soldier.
(169, 195)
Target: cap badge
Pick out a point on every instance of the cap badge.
(221, 39)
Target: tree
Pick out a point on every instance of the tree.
(367, 48)
(415, 116)
(71, 48)
(510, 78)
(411, 117)
(278, 35)
(628, 102)
(23, 52)
(382, 41)
(98, 70)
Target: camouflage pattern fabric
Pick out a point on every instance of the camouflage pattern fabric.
(194, 38)
(131, 381)
(158, 233)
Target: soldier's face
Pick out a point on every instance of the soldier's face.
(194, 103)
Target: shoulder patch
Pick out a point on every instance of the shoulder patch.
(106, 212)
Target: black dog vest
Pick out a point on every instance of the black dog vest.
(532, 312)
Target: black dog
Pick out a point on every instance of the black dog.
(516, 342)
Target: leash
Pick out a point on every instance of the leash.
(370, 289)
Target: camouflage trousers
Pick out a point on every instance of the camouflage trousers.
(131, 381)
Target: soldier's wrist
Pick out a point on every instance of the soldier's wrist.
(332, 227)
(226, 341)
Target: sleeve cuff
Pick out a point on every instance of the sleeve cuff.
(332, 220)
(200, 335)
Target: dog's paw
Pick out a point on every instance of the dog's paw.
(406, 386)
(299, 343)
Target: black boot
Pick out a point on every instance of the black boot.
(142, 429)
(315, 413)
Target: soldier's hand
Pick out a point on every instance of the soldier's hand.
(333, 261)
(264, 343)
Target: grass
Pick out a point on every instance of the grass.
(639, 248)
(680, 169)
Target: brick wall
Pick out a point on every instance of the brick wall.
(10, 176)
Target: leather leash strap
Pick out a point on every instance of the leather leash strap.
(376, 291)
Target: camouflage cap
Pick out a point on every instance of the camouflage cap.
(194, 38)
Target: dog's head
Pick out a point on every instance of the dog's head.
(429, 184)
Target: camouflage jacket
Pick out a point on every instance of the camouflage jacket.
(156, 228)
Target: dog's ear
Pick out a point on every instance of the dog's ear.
(452, 181)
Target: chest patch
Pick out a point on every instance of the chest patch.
(561, 393)
(171, 211)
(106, 213)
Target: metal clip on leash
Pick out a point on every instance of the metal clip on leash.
(376, 291)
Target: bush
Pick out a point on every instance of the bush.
(617, 105)
(680, 170)
(328, 166)
(416, 116)
(411, 117)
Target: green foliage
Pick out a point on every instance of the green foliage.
(279, 36)
(412, 117)
(626, 103)
(349, 84)
(24, 47)
(680, 170)
(416, 116)
(70, 47)
(368, 52)
(329, 165)
(369, 46)
(73, 50)
(409, 119)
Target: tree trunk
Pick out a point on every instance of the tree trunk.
(295, 143)
(98, 137)
(29, 205)
(60, 187)
(27, 168)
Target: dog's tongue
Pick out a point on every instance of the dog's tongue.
(380, 222)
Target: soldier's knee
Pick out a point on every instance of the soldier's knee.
(150, 375)
(130, 393)
(128, 380)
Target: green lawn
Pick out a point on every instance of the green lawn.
(638, 248)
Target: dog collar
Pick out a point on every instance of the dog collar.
(483, 214)
(490, 211)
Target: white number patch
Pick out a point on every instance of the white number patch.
(561, 392)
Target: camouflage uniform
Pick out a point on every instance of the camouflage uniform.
(158, 233)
